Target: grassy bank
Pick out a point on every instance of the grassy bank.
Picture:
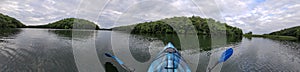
(276, 37)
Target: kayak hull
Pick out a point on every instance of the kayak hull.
(169, 60)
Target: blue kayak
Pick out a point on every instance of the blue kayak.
(169, 60)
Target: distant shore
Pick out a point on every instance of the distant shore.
(58, 28)
(276, 37)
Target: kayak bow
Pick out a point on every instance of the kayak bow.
(169, 60)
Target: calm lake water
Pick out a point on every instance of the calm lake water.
(57, 50)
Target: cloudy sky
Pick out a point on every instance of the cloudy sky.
(259, 16)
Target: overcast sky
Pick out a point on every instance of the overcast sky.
(259, 16)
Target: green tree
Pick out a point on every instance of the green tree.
(249, 33)
(293, 31)
(9, 22)
(70, 23)
(298, 33)
(184, 25)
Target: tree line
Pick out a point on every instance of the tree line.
(69, 23)
(9, 22)
(194, 24)
(293, 31)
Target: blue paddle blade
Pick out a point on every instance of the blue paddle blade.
(225, 56)
(108, 55)
(115, 58)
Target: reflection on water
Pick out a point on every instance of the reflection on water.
(140, 44)
(204, 40)
(265, 55)
(62, 33)
(43, 50)
(68, 33)
(36, 50)
(8, 33)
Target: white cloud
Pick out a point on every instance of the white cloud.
(259, 16)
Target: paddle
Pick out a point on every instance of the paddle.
(119, 62)
(225, 56)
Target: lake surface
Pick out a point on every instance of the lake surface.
(57, 50)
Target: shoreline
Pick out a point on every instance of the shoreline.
(66, 29)
(276, 37)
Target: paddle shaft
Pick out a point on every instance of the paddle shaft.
(119, 62)
(209, 69)
(127, 68)
(122, 64)
(225, 56)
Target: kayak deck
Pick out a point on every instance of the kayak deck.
(169, 60)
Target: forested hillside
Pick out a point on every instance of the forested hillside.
(293, 31)
(69, 23)
(203, 26)
(9, 22)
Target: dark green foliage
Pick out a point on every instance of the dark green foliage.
(294, 31)
(69, 23)
(194, 24)
(233, 31)
(274, 37)
(153, 27)
(9, 22)
(249, 33)
(298, 34)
